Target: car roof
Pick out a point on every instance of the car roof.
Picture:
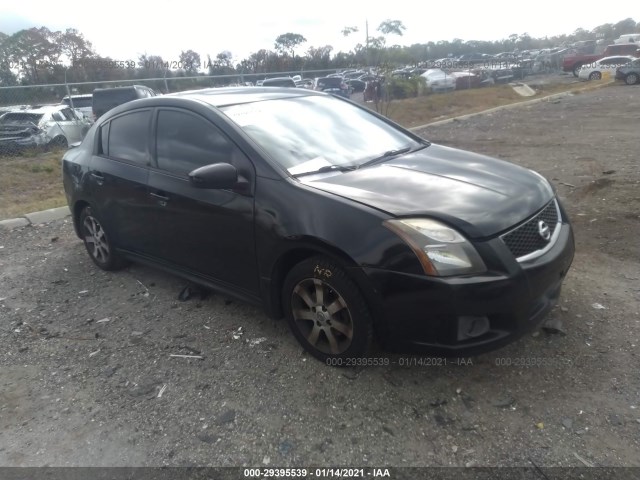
(220, 97)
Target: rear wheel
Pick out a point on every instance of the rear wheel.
(631, 79)
(595, 76)
(97, 242)
(326, 311)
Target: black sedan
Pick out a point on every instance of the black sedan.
(348, 225)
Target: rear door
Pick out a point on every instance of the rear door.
(118, 177)
(208, 232)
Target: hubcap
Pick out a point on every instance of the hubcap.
(96, 240)
(322, 316)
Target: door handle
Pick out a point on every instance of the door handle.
(98, 176)
(162, 199)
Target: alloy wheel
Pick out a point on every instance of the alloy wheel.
(632, 79)
(322, 316)
(96, 240)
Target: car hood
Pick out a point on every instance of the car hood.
(480, 195)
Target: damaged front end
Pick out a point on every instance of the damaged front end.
(18, 137)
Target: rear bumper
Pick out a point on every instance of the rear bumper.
(460, 316)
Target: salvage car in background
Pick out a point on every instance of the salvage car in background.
(438, 80)
(41, 127)
(629, 72)
(347, 224)
(466, 79)
(334, 85)
(596, 70)
(104, 99)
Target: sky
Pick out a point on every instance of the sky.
(123, 30)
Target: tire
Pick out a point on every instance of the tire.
(97, 242)
(576, 69)
(58, 142)
(326, 311)
(595, 76)
(631, 79)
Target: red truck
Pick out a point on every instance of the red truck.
(573, 62)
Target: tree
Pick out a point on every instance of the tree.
(623, 27)
(287, 42)
(395, 27)
(318, 58)
(7, 77)
(34, 52)
(74, 46)
(190, 61)
(346, 31)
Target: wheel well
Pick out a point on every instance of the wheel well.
(77, 208)
(292, 257)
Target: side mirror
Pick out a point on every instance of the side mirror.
(215, 176)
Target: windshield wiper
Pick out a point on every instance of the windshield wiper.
(392, 153)
(328, 168)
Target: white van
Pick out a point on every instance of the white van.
(629, 38)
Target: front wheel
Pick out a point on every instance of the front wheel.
(595, 76)
(326, 311)
(631, 79)
(97, 242)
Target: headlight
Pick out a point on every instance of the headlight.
(442, 251)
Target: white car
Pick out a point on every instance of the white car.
(438, 80)
(595, 70)
(43, 126)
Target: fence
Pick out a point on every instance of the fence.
(53, 93)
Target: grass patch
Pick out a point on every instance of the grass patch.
(413, 112)
(30, 183)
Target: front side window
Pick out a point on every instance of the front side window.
(129, 137)
(186, 142)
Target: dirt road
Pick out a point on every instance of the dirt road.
(87, 376)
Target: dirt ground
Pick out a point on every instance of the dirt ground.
(87, 377)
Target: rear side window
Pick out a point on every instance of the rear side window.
(129, 137)
(186, 142)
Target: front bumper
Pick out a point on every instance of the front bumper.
(444, 315)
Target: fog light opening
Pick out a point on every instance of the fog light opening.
(472, 327)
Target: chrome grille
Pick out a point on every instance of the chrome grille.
(525, 239)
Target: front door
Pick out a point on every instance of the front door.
(205, 231)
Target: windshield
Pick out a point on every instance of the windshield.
(304, 134)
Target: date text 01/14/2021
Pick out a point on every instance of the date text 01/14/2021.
(273, 472)
(400, 362)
